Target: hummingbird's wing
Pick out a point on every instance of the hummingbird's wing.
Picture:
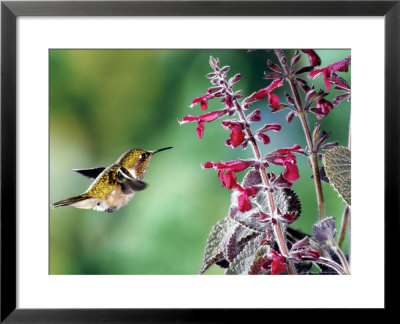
(90, 173)
(127, 182)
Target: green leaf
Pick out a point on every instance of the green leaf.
(243, 262)
(337, 162)
(214, 250)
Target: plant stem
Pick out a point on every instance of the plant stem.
(343, 226)
(331, 264)
(277, 228)
(313, 159)
(301, 113)
(340, 254)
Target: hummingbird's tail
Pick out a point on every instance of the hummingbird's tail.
(81, 201)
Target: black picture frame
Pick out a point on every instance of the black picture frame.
(10, 10)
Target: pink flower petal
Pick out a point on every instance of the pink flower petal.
(255, 116)
(266, 264)
(203, 100)
(200, 129)
(213, 115)
(235, 166)
(294, 148)
(291, 172)
(273, 100)
(262, 93)
(277, 267)
(189, 119)
(275, 84)
(204, 104)
(263, 138)
(270, 127)
(237, 136)
(340, 66)
(230, 179)
(208, 165)
(244, 203)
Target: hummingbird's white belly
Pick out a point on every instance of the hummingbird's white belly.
(114, 201)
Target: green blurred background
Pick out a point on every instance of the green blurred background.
(105, 102)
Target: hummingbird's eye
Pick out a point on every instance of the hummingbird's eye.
(144, 156)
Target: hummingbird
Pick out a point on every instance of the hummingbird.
(113, 187)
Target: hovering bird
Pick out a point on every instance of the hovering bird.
(113, 187)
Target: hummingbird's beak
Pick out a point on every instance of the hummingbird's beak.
(163, 149)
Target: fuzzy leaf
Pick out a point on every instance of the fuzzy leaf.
(214, 250)
(337, 162)
(324, 228)
(259, 258)
(245, 259)
(286, 200)
(230, 242)
(255, 268)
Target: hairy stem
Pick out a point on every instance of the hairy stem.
(313, 159)
(277, 228)
(301, 113)
(329, 263)
(340, 254)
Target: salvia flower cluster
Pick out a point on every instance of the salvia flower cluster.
(255, 237)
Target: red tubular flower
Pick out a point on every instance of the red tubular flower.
(286, 158)
(255, 116)
(235, 166)
(291, 172)
(273, 101)
(322, 108)
(263, 138)
(244, 203)
(340, 66)
(226, 173)
(228, 179)
(267, 127)
(295, 148)
(266, 264)
(237, 136)
(272, 98)
(276, 262)
(202, 100)
(311, 253)
(205, 118)
(312, 57)
(277, 267)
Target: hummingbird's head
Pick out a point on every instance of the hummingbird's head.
(137, 160)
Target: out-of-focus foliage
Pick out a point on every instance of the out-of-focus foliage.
(105, 102)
